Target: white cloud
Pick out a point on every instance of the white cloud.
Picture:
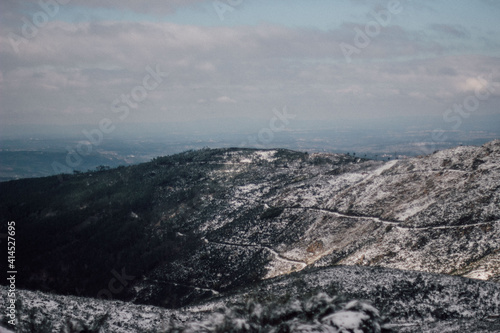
(353, 89)
(473, 84)
(225, 99)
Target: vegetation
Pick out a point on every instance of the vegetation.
(143, 220)
(272, 213)
(308, 313)
(75, 232)
(319, 313)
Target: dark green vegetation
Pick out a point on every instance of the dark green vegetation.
(407, 302)
(72, 234)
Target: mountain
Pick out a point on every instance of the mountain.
(204, 223)
(370, 299)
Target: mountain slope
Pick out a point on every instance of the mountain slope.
(193, 225)
(407, 301)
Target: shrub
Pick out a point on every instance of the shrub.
(319, 313)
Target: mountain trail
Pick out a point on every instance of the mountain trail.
(273, 252)
(395, 223)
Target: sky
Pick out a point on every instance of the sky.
(71, 62)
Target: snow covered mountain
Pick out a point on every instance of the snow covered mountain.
(205, 223)
(439, 213)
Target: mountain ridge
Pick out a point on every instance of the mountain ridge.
(193, 225)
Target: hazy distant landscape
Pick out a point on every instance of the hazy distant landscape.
(24, 156)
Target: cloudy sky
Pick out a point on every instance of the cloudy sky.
(81, 61)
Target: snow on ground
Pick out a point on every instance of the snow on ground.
(409, 209)
(369, 200)
(479, 275)
(267, 155)
(410, 300)
(349, 320)
(247, 188)
(384, 167)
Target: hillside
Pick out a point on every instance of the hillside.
(199, 224)
(397, 301)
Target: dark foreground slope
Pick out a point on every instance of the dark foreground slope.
(193, 225)
(406, 301)
(145, 220)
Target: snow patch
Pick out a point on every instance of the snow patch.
(350, 320)
(412, 209)
(480, 275)
(267, 155)
(384, 167)
(248, 188)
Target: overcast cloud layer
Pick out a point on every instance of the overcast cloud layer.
(244, 59)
